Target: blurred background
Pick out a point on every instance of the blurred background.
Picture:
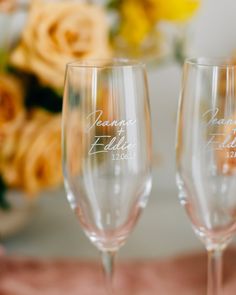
(35, 218)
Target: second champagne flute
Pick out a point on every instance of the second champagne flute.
(206, 156)
(106, 138)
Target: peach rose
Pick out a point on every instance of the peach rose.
(42, 159)
(7, 5)
(11, 99)
(57, 33)
(12, 115)
(36, 162)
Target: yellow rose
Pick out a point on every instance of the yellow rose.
(171, 10)
(135, 24)
(57, 33)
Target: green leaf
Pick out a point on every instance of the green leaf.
(4, 204)
(42, 96)
(38, 95)
(113, 4)
(3, 59)
(179, 51)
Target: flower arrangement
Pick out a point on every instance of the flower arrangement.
(137, 22)
(31, 83)
(32, 75)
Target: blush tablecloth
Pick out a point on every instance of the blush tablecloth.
(185, 275)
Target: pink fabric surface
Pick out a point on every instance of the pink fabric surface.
(185, 275)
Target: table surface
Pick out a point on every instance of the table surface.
(53, 231)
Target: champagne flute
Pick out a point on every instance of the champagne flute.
(106, 141)
(206, 156)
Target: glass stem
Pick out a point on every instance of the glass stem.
(108, 259)
(214, 284)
